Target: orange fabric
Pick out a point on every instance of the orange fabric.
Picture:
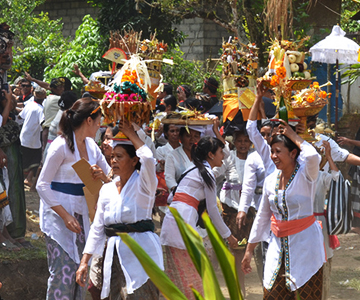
(162, 190)
(230, 106)
(286, 228)
(185, 198)
(356, 214)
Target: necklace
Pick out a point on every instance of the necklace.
(276, 200)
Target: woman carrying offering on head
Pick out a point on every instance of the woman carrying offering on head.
(125, 205)
(296, 247)
(64, 215)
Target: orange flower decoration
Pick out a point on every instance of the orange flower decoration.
(281, 72)
(274, 80)
(310, 99)
(323, 94)
(129, 76)
(316, 85)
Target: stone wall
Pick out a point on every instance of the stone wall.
(70, 11)
(204, 38)
(324, 15)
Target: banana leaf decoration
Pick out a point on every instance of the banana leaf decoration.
(202, 263)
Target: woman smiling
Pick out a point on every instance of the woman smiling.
(296, 247)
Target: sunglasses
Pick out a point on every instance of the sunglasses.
(25, 85)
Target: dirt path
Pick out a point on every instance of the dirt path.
(26, 279)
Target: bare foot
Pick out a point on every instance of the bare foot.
(355, 230)
(28, 183)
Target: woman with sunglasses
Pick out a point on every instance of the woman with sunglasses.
(64, 216)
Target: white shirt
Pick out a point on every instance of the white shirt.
(176, 163)
(233, 170)
(54, 126)
(134, 203)
(163, 151)
(254, 176)
(306, 248)
(337, 153)
(51, 108)
(193, 185)
(32, 114)
(261, 146)
(322, 187)
(58, 168)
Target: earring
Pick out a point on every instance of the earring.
(212, 158)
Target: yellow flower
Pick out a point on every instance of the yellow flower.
(316, 85)
(298, 99)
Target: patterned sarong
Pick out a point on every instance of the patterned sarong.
(181, 270)
(62, 269)
(311, 290)
(118, 291)
(229, 216)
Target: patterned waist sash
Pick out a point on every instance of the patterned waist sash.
(140, 226)
(75, 189)
(286, 228)
(4, 200)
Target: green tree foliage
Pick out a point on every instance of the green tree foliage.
(119, 15)
(348, 9)
(38, 40)
(86, 50)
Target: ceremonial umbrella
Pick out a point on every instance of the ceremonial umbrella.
(333, 49)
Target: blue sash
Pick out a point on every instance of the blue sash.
(75, 189)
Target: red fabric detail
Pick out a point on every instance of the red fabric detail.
(334, 242)
(185, 198)
(286, 228)
(162, 190)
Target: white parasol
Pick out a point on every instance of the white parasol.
(333, 49)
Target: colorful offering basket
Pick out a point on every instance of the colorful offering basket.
(187, 117)
(128, 97)
(137, 112)
(95, 89)
(309, 102)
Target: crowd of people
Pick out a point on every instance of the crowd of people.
(268, 180)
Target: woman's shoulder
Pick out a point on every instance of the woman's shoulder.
(59, 141)
(108, 187)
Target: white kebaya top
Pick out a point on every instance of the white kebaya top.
(254, 176)
(133, 204)
(193, 185)
(304, 250)
(58, 168)
(233, 170)
(176, 163)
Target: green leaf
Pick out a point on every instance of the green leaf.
(197, 294)
(195, 247)
(225, 258)
(157, 276)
